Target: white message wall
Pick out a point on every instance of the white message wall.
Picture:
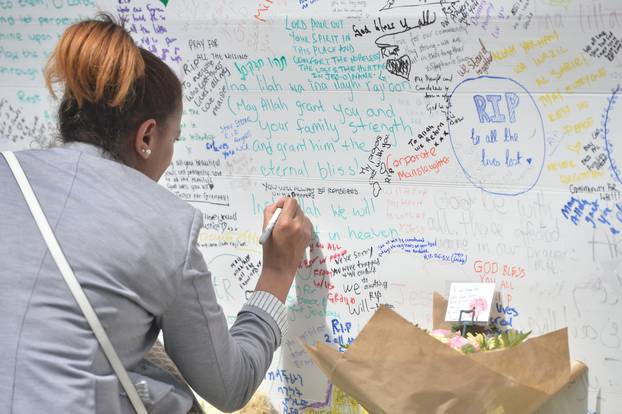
(428, 141)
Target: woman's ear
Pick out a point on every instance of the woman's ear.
(145, 137)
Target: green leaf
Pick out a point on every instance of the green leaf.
(467, 349)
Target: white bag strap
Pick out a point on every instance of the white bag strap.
(72, 282)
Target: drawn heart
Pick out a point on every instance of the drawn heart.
(529, 161)
(399, 67)
(576, 147)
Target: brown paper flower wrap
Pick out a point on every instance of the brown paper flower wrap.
(394, 367)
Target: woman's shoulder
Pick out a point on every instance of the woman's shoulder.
(103, 182)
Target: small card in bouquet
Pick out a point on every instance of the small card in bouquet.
(470, 301)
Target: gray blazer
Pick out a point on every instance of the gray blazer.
(132, 246)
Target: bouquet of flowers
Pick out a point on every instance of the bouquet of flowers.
(488, 340)
(395, 367)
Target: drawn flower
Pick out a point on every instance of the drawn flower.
(479, 305)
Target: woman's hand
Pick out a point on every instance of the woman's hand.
(284, 249)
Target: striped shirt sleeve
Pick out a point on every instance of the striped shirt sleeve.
(268, 303)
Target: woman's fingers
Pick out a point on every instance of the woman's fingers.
(290, 207)
(269, 210)
(292, 219)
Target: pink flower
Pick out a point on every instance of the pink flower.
(458, 341)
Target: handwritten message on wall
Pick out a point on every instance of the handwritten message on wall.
(428, 142)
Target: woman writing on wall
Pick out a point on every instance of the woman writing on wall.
(132, 246)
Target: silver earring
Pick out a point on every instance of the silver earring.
(146, 151)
